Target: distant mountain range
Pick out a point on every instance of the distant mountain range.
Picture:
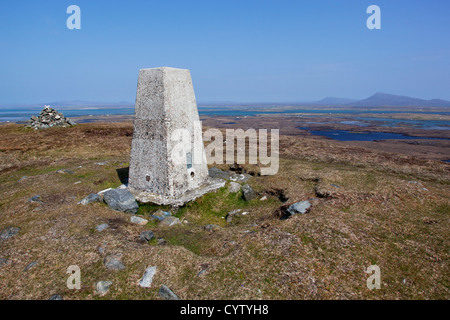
(378, 100)
(384, 100)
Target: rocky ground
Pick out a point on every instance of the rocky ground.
(355, 207)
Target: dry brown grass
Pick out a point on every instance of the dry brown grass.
(366, 211)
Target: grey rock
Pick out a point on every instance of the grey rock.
(215, 173)
(166, 293)
(102, 227)
(9, 233)
(3, 261)
(234, 187)
(65, 171)
(56, 297)
(147, 235)
(202, 272)
(231, 214)
(147, 278)
(161, 215)
(23, 178)
(229, 244)
(170, 221)
(249, 193)
(101, 249)
(36, 199)
(211, 227)
(102, 287)
(299, 208)
(240, 177)
(113, 263)
(138, 220)
(121, 200)
(162, 242)
(93, 197)
(28, 267)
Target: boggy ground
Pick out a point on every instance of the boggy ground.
(369, 207)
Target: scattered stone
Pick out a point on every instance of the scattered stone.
(113, 263)
(160, 215)
(28, 267)
(231, 214)
(166, 293)
(234, 187)
(65, 171)
(299, 208)
(102, 227)
(147, 235)
(230, 243)
(9, 233)
(103, 191)
(215, 173)
(35, 199)
(263, 198)
(211, 227)
(147, 279)
(201, 273)
(249, 193)
(243, 177)
(93, 197)
(3, 261)
(162, 242)
(170, 221)
(48, 118)
(244, 213)
(101, 249)
(56, 297)
(265, 225)
(102, 287)
(104, 163)
(121, 200)
(78, 182)
(138, 220)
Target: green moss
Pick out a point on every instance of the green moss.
(193, 241)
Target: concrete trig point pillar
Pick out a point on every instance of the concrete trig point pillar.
(160, 171)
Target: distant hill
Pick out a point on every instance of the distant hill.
(334, 101)
(389, 100)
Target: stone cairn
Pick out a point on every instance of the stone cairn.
(48, 118)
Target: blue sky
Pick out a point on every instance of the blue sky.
(241, 51)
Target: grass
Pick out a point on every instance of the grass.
(373, 216)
